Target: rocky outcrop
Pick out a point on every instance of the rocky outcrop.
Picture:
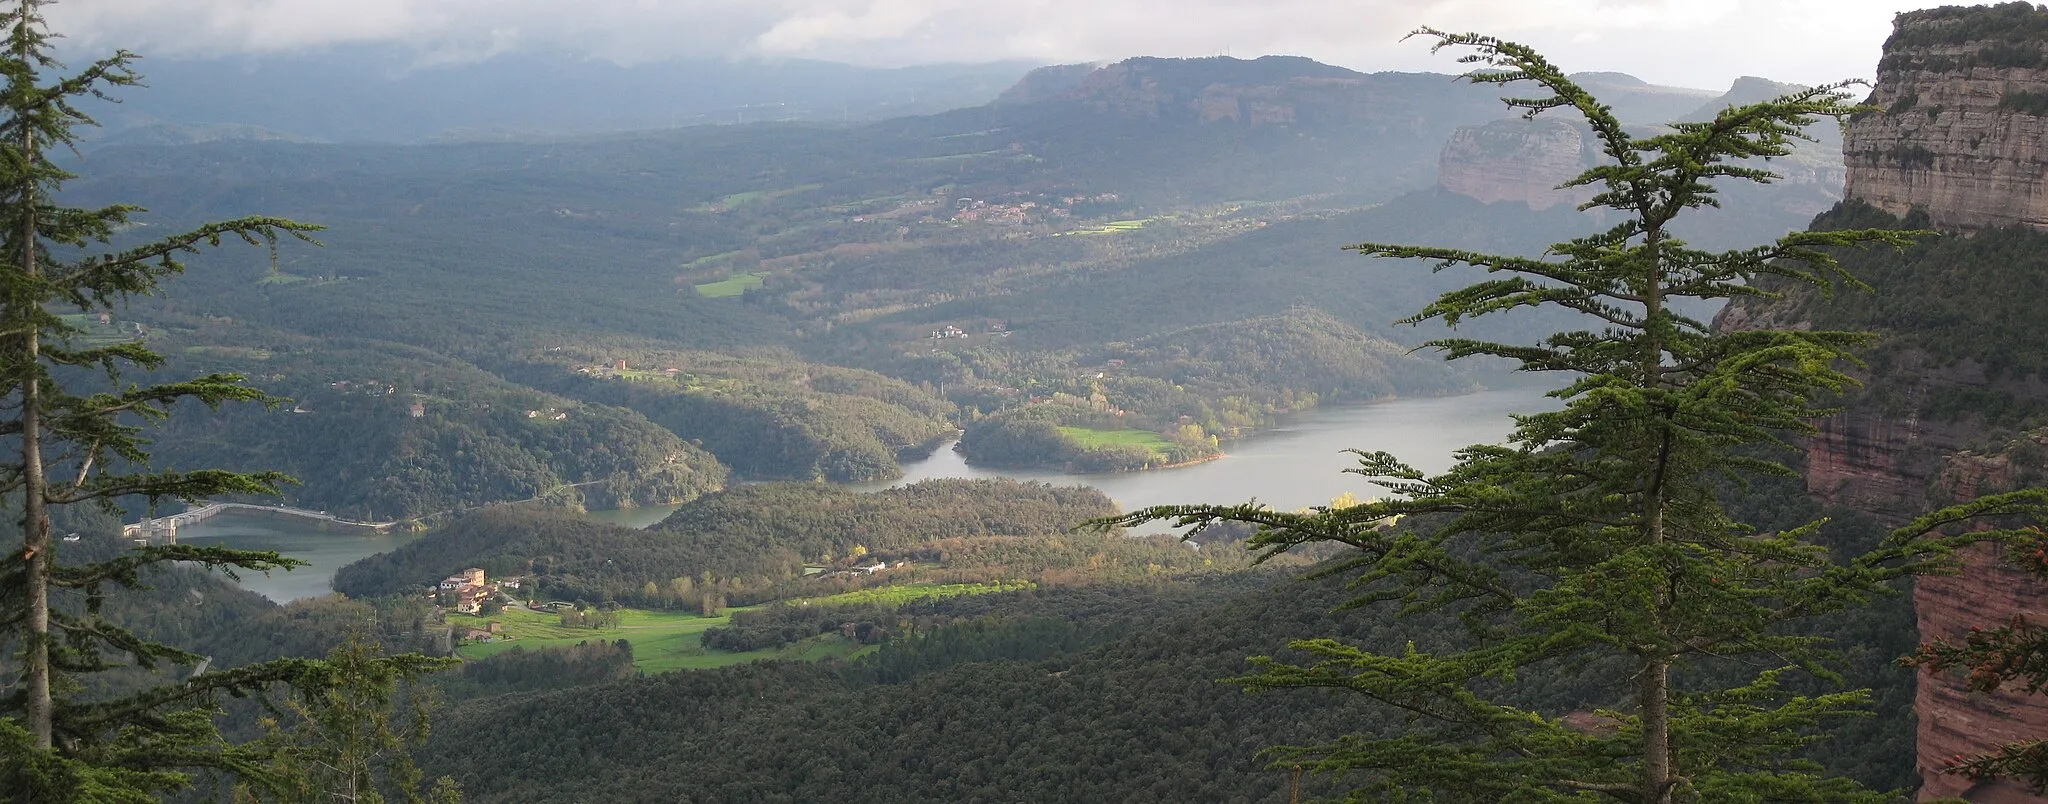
(1517, 160)
(1046, 83)
(1955, 720)
(1961, 134)
(1895, 451)
(1962, 130)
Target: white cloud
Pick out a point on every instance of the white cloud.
(1695, 42)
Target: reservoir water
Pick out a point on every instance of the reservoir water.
(324, 548)
(1301, 463)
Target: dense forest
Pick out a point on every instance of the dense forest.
(753, 543)
(769, 417)
(377, 431)
(1099, 693)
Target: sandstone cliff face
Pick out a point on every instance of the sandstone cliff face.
(1892, 461)
(1963, 137)
(1962, 132)
(1522, 161)
(1953, 719)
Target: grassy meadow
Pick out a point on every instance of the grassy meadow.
(672, 640)
(731, 286)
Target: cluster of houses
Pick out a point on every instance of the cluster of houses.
(619, 367)
(366, 388)
(860, 571)
(969, 210)
(468, 590)
(996, 329)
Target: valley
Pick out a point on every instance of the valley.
(992, 432)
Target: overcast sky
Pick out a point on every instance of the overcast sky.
(1700, 43)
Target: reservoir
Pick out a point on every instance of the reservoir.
(1298, 464)
(325, 548)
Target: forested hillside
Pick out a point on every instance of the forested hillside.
(754, 543)
(1107, 693)
(772, 416)
(378, 431)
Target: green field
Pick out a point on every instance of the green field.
(740, 199)
(1114, 227)
(899, 595)
(664, 640)
(1091, 438)
(731, 286)
(94, 333)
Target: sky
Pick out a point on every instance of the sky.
(1696, 43)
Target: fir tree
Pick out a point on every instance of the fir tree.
(1596, 537)
(75, 426)
(334, 739)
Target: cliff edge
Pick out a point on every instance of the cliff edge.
(1961, 129)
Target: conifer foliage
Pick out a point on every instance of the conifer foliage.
(73, 425)
(1597, 538)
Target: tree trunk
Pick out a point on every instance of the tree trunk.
(35, 516)
(1655, 698)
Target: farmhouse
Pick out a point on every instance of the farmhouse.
(470, 577)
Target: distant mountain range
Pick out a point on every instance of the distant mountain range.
(367, 94)
(379, 94)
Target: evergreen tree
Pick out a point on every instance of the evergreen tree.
(76, 426)
(1596, 540)
(334, 738)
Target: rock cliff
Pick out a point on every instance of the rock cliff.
(1962, 126)
(1961, 136)
(1516, 160)
(1953, 719)
(1525, 161)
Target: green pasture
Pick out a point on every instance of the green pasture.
(93, 334)
(657, 636)
(672, 640)
(1114, 227)
(741, 199)
(1092, 438)
(906, 593)
(230, 352)
(731, 286)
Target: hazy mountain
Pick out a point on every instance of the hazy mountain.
(366, 94)
(1638, 101)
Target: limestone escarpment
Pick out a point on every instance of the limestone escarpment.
(1517, 160)
(1963, 128)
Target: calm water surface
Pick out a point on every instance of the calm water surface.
(1289, 467)
(1296, 465)
(325, 550)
